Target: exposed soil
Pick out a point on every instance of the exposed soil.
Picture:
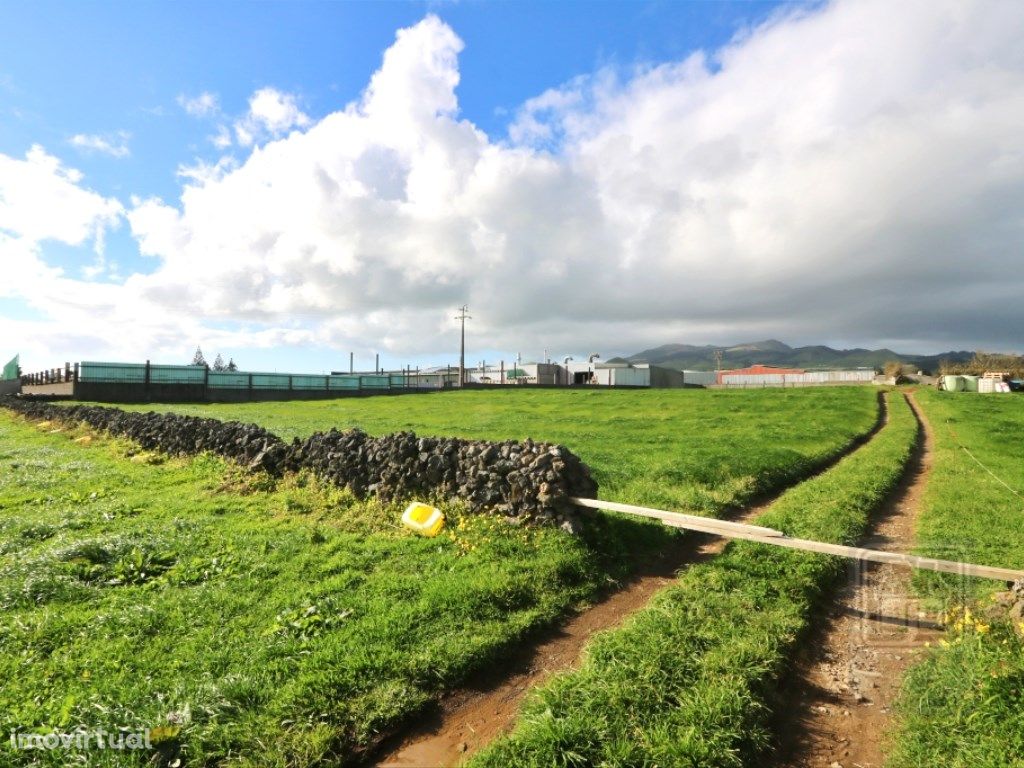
(468, 719)
(472, 717)
(839, 697)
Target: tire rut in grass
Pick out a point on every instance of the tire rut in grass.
(837, 701)
(469, 718)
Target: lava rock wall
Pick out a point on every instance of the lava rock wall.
(522, 480)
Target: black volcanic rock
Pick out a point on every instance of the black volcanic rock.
(528, 480)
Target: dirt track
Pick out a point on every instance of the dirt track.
(471, 717)
(839, 697)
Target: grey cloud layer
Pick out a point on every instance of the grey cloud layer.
(854, 172)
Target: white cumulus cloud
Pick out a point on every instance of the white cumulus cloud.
(115, 146)
(853, 172)
(202, 105)
(271, 113)
(41, 199)
(809, 180)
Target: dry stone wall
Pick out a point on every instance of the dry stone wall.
(523, 480)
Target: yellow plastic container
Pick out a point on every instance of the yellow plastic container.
(423, 518)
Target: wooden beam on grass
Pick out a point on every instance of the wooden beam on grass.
(779, 539)
(678, 519)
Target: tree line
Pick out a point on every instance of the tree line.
(983, 362)
(218, 363)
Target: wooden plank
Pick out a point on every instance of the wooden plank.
(779, 539)
(676, 517)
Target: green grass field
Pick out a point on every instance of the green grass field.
(284, 623)
(967, 513)
(702, 450)
(688, 681)
(279, 622)
(964, 704)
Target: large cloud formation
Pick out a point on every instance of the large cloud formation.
(853, 172)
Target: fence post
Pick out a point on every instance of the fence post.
(146, 380)
(289, 382)
(74, 374)
(250, 386)
(206, 382)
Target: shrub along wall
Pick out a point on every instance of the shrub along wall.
(524, 480)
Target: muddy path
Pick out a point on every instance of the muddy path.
(469, 718)
(838, 699)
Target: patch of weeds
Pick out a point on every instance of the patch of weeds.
(38, 532)
(199, 570)
(310, 619)
(117, 562)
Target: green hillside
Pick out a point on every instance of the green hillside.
(776, 353)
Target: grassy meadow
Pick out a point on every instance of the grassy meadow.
(700, 450)
(271, 623)
(964, 704)
(688, 680)
(284, 623)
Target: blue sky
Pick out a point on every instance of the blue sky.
(105, 89)
(103, 69)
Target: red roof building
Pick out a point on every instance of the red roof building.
(757, 370)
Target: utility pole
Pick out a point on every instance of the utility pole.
(463, 316)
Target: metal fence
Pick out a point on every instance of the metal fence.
(91, 372)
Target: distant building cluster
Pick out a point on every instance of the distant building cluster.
(767, 376)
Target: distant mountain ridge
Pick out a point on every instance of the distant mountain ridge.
(776, 353)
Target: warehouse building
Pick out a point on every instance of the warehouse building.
(767, 376)
(623, 374)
